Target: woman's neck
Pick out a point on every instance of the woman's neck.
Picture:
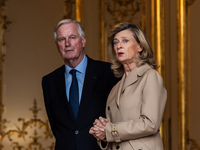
(129, 67)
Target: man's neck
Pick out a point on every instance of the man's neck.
(73, 63)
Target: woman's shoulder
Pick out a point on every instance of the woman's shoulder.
(153, 76)
(146, 69)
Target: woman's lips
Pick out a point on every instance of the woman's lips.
(120, 53)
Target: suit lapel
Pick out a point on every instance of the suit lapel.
(61, 89)
(88, 87)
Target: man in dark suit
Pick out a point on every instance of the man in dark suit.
(74, 100)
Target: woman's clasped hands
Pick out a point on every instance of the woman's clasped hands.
(99, 128)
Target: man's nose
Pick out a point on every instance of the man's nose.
(67, 43)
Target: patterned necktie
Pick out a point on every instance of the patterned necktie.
(74, 94)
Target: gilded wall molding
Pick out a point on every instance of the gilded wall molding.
(182, 127)
(79, 10)
(157, 33)
(158, 45)
(184, 140)
(74, 10)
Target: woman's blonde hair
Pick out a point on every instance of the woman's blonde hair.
(145, 56)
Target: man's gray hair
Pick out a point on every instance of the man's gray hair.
(67, 21)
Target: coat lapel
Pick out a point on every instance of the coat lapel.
(130, 79)
(134, 74)
(119, 90)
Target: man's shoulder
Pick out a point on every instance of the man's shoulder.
(55, 72)
(98, 63)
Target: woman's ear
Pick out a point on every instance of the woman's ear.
(140, 48)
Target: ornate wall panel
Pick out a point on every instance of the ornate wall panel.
(74, 9)
(115, 11)
(17, 131)
(193, 34)
(70, 5)
(184, 68)
(35, 130)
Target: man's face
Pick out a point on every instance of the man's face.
(70, 44)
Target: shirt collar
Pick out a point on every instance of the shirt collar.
(81, 68)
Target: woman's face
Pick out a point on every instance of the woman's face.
(126, 47)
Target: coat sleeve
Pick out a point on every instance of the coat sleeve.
(154, 97)
(104, 146)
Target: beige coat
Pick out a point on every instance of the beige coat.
(135, 109)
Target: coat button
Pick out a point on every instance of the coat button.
(108, 107)
(117, 147)
(76, 132)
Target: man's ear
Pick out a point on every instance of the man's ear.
(83, 41)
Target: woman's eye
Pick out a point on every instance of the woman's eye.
(115, 42)
(125, 41)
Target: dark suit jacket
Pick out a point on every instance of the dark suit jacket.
(71, 134)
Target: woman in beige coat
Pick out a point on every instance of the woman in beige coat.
(136, 103)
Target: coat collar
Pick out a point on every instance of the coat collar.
(130, 79)
(133, 76)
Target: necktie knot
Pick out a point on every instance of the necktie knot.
(73, 72)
